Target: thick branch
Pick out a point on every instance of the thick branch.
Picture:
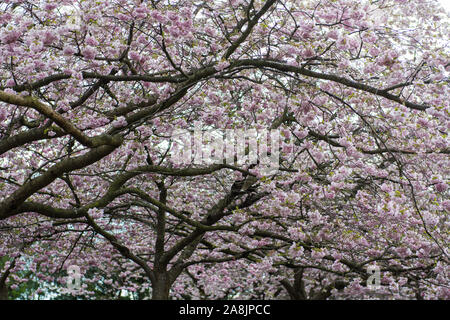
(317, 75)
(9, 205)
(47, 111)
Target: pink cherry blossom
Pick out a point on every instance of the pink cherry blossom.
(100, 99)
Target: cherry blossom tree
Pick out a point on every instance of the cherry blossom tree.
(92, 91)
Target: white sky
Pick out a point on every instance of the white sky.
(445, 4)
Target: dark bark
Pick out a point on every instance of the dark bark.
(161, 286)
(3, 291)
(296, 291)
(3, 285)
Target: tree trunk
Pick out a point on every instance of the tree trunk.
(161, 287)
(3, 291)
